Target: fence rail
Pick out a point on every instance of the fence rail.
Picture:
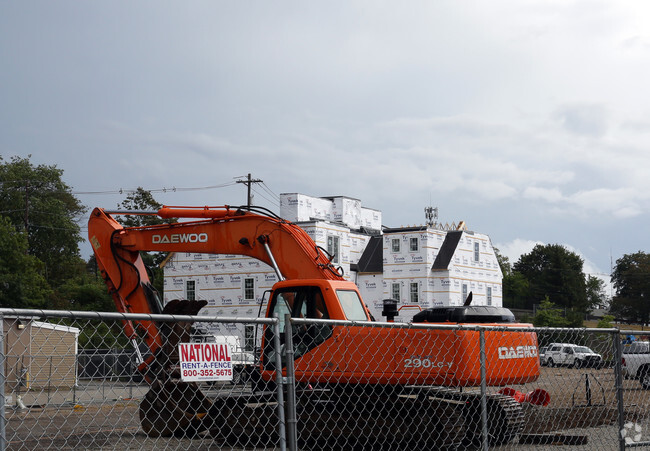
(343, 385)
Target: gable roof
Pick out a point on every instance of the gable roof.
(372, 259)
(447, 251)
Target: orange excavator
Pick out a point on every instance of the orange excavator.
(429, 371)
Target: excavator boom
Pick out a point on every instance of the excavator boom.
(216, 230)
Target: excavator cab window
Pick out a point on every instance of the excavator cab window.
(352, 305)
(300, 302)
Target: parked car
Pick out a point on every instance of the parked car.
(636, 362)
(572, 355)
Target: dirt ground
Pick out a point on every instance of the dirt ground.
(581, 399)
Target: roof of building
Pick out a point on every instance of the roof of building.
(447, 251)
(372, 259)
(420, 228)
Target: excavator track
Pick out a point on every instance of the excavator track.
(366, 420)
(504, 415)
(422, 418)
(404, 417)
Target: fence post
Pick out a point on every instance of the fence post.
(3, 436)
(484, 418)
(49, 382)
(292, 421)
(131, 376)
(279, 387)
(618, 381)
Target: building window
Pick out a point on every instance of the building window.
(333, 248)
(395, 245)
(476, 251)
(395, 291)
(414, 293)
(464, 297)
(249, 337)
(190, 290)
(489, 295)
(414, 245)
(249, 289)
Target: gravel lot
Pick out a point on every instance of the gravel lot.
(98, 421)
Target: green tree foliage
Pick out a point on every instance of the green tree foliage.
(504, 263)
(515, 285)
(102, 335)
(37, 201)
(606, 322)
(555, 273)
(549, 315)
(515, 291)
(631, 280)
(86, 293)
(596, 295)
(22, 284)
(140, 200)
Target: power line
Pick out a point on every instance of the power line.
(174, 189)
(270, 191)
(272, 201)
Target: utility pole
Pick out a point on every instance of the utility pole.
(249, 182)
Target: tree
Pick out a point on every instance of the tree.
(140, 200)
(553, 271)
(86, 293)
(37, 201)
(606, 322)
(515, 286)
(631, 280)
(596, 295)
(549, 315)
(504, 263)
(515, 291)
(22, 284)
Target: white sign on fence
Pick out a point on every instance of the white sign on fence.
(205, 362)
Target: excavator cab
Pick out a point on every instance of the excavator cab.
(299, 302)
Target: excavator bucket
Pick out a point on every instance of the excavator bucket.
(172, 407)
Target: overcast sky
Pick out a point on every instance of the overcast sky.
(529, 120)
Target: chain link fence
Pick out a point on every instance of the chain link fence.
(71, 380)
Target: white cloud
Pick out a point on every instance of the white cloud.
(552, 195)
(516, 248)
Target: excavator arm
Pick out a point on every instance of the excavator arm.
(252, 232)
(217, 230)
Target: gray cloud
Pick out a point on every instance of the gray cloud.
(588, 120)
(514, 116)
